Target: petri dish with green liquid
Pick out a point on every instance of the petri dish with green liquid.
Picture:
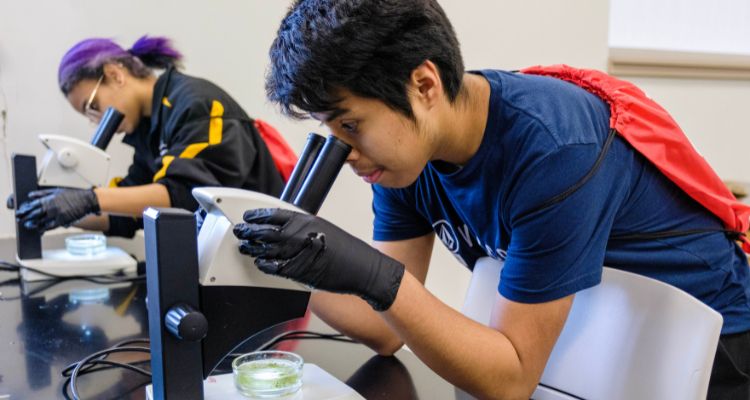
(268, 374)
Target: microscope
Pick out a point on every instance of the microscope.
(70, 163)
(206, 299)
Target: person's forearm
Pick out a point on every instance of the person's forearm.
(355, 318)
(94, 223)
(132, 200)
(474, 357)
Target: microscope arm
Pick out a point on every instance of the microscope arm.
(73, 163)
(221, 263)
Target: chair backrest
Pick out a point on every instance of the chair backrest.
(630, 337)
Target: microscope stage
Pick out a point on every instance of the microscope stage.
(60, 262)
(317, 384)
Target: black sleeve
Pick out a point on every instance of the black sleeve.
(123, 226)
(205, 151)
(138, 174)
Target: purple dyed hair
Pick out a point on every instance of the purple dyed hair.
(87, 58)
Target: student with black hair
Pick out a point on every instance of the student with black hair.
(545, 173)
(186, 132)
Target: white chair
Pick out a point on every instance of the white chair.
(630, 337)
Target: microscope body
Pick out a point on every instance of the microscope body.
(69, 163)
(204, 297)
(220, 264)
(72, 163)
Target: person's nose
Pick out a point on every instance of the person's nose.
(354, 154)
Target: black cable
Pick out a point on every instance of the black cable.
(10, 282)
(346, 340)
(109, 365)
(122, 395)
(291, 335)
(301, 335)
(97, 361)
(101, 279)
(66, 372)
(97, 358)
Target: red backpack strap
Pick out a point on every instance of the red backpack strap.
(745, 242)
(654, 134)
(283, 155)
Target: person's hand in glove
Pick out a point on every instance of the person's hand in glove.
(50, 208)
(312, 251)
(200, 217)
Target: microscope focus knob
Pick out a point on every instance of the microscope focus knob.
(67, 158)
(186, 323)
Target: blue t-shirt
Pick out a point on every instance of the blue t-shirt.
(542, 136)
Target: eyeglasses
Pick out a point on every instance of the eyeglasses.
(89, 109)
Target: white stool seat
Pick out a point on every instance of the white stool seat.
(630, 337)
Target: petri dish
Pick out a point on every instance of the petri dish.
(268, 374)
(87, 244)
(88, 296)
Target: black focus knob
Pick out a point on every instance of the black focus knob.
(186, 323)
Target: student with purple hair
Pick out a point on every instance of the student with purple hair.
(186, 132)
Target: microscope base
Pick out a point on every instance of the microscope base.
(60, 262)
(317, 384)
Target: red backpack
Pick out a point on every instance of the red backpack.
(283, 156)
(653, 133)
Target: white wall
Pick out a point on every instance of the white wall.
(713, 114)
(681, 25)
(227, 42)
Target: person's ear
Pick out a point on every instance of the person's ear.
(425, 84)
(114, 74)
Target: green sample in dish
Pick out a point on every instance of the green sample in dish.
(267, 376)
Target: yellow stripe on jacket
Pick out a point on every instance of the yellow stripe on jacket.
(215, 130)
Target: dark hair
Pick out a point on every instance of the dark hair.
(369, 47)
(86, 59)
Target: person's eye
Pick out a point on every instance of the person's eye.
(94, 106)
(349, 127)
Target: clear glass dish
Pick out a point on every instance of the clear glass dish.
(268, 374)
(87, 244)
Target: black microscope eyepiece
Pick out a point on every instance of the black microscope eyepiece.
(319, 166)
(303, 166)
(107, 128)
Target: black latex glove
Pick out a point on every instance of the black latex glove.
(49, 208)
(200, 216)
(312, 251)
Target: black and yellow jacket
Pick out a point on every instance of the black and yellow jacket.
(197, 136)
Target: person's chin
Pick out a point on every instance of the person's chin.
(392, 181)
